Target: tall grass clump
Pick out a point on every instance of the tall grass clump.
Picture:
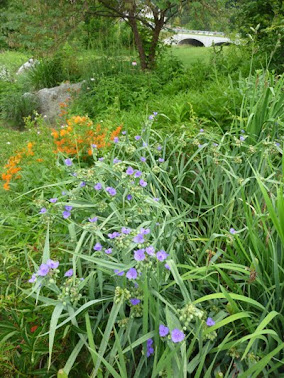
(159, 255)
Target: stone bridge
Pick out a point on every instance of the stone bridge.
(197, 38)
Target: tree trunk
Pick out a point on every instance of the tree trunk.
(138, 41)
(159, 23)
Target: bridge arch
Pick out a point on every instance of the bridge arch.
(191, 42)
(222, 43)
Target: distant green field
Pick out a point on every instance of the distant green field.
(189, 54)
(13, 59)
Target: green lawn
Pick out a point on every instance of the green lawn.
(189, 55)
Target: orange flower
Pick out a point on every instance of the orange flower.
(6, 186)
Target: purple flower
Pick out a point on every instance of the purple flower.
(242, 138)
(137, 137)
(129, 197)
(150, 250)
(98, 186)
(123, 132)
(143, 183)
(63, 193)
(68, 162)
(167, 266)
(53, 200)
(108, 251)
(243, 131)
(143, 159)
(118, 272)
(68, 208)
(200, 145)
(116, 161)
(114, 235)
(115, 140)
(131, 274)
(151, 117)
(156, 199)
(159, 148)
(215, 144)
(98, 247)
(161, 255)
(74, 174)
(163, 330)
(125, 230)
(138, 174)
(93, 220)
(233, 231)
(43, 270)
(150, 349)
(145, 144)
(82, 184)
(129, 171)
(33, 278)
(210, 322)
(101, 159)
(94, 146)
(69, 273)
(161, 160)
(139, 254)
(145, 231)
(43, 210)
(177, 335)
(111, 191)
(66, 214)
(139, 238)
(155, 113)
(52, 264)
(135, 301)
(277, 144)
(201, 130)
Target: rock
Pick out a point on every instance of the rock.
(27, 66)
(52, 100)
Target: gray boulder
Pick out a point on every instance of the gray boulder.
(51, 99)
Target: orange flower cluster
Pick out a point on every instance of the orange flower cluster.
(80, 134)
(12, 167)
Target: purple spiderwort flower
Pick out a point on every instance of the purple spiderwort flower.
(177, 335)
(151, 117)
(277, 144)
(111, 191)
(155, 113)
(43, 210)
(69, 273)
(161, 160)
(52, 264)
(161, 255)
(74, 174)
(242, 138)
(68, 162)
(93, 220)
(131, 274)
(167, 266)
(139, 238)
(53, 200)
(150, 349)
(200, 145)
(126, 230)
(116, 161)
(66, 214)
(232, 231)
(98, 247)
(94, 146)
(82, 184)
(139, 255)
(145, 144)
(115, 140)
(108, 251)
(150, 250)
(159, 148)
(137, 137)
(243, 131)
(138, 174)
(156, 199)
(143, 159)
(135, 301)
(163, 330)
(215, 144)
(129, 197)
(118, 272)
(63, 193)
(123, 132)
(68, 208)
(33, 278)
(98, 186)
(210, 322)
(114, 235)
(101, 159)
(43, 270)
(129, 171)
(143, 183)
(145, 231)
(201, 130)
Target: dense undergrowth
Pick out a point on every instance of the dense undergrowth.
(154, 249)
